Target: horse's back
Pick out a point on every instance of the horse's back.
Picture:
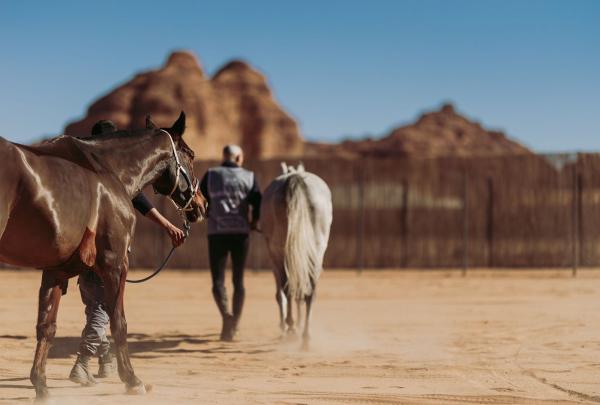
(277, 196)
(67, 148)
(6, 151)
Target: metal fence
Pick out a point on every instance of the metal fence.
(511, 211)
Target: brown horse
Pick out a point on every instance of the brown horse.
(65, 206)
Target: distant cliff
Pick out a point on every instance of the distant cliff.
(437, 133)
(234, 106)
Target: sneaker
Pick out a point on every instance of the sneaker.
(80, 373)
(107, 365)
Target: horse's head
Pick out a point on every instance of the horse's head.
(177, 181)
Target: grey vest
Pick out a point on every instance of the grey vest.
(228, 189)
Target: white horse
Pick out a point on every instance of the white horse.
(296, 216)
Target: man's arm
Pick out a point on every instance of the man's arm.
(142, 204)
(254, 199)
(145, 207)
(204, 188)
(177, 235)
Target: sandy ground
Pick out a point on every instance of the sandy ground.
(380, 337)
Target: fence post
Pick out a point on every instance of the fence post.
(490, 222)
(361, 219)
(575, 220)
(465, 222)
(579, 215)
(404, 225)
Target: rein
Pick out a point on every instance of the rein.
(187, 227)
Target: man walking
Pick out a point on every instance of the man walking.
(93, 337)
(230, 191)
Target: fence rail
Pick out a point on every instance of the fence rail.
(512, 211)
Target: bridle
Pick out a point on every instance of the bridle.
(186, 225)
(180, 170)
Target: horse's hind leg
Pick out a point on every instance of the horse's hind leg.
(306, 334)
(49, 299)
(282, 303)
(291, 328)
(114, 284)
(298, 312)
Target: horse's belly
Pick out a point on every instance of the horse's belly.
(38, 238)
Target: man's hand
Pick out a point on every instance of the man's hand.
(177, 236)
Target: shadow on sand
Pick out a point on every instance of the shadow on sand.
(153, 346)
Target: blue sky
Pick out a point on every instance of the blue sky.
(342, 68)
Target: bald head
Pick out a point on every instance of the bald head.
(233, 153)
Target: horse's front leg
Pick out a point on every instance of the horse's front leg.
(114, 276)
(49, 299)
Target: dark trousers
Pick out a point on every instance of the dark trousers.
(219, 247)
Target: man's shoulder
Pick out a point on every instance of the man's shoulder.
(229, 169)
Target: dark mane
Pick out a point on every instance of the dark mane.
(186, 149)
(123, 133)
(126, 133)
(62, 147)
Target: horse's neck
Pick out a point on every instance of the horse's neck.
(136, 160)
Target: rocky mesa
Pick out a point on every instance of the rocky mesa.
(434, 134)
(234, 106)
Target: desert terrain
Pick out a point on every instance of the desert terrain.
(410, 337)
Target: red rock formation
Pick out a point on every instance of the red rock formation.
(438, 133)
(235, 106)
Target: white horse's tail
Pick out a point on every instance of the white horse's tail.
(302, 262)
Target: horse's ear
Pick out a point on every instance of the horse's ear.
(149, 123)
(178, 127)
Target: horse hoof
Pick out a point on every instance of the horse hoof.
(140, 389)
(305, 345)
(42, 396)
(289, 336)
(44, 400)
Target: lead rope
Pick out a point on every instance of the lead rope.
(187, 227)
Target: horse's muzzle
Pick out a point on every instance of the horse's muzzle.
(199, 208)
